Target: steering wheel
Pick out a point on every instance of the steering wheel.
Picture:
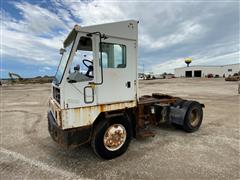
(90, 67)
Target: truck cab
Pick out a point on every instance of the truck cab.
(94, 96)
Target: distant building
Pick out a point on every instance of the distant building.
(202, 71)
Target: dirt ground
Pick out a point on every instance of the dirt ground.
(28, 152)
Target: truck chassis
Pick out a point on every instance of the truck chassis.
(135, 122)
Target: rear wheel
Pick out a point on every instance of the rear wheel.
(111, 137)
(193, 118)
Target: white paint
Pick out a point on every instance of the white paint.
(114, 87)
(39, 164)
(113, 92)
(84, 116)
(22, 103)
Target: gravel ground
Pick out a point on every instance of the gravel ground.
(28, 152)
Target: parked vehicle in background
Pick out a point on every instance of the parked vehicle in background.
(210, 76)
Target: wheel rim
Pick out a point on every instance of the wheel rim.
(194, 117)
(114, 137)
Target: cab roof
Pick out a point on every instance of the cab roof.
(123, 29)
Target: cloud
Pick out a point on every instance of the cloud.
(45, 69)
(32, 39)
(207, 60)
(168, 31)
(23, 47)
(95, 12)
(188, 31)
(1, 70)
(38, 19)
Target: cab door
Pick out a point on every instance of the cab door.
(119, 71)
(80, 72)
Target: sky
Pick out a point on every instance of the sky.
(32, 32)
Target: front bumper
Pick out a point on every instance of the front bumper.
(69, 138)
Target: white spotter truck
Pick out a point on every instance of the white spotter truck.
(95, 97)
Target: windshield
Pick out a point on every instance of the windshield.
(63, 62)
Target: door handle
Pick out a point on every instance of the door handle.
(128, 84)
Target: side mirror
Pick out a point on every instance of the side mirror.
(62, 51)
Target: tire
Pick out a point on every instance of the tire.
(101, 132)
(177, 126)
(193, 118)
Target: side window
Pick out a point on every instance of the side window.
(113, 55)
(82, 65)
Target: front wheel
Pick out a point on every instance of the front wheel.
(111, 137)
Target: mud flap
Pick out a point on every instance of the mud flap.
(178, 112)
